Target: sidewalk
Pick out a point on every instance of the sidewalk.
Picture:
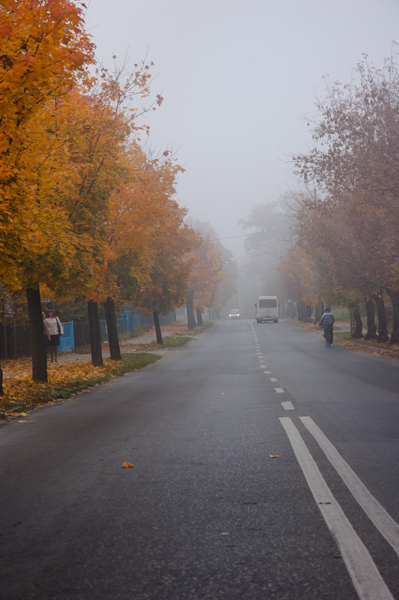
(136, 344)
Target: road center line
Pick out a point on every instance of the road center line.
(273, 379)
(365, 576)
(287, 405)
(279, 390)
(373, 509)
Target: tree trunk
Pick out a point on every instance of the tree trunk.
(191, 324)
(199, 317)
(95, 334)
(299, 310)
(36, 335)
(308, 312)
(318, 313)
(1, 382)
(157, 324)
(382, 319)
(371, 326)
(302, 311)
(395, 324)
(113, 341)
(358, 333)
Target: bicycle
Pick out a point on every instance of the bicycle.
(328, 334)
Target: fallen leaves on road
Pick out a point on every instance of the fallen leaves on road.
(274, 456)
(65, 379)
(127, 465)
(390, 351)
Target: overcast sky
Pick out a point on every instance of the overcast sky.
(238, 78)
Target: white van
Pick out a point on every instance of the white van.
(267, 309)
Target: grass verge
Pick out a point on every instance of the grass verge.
(65, 380)
(205, 325)
(168, 342)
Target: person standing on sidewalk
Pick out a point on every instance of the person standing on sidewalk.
(46, 332)
(55, 330)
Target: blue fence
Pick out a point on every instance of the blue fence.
(126, 322)
(67, 341)
(78, 332)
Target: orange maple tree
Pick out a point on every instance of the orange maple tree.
(148, 238)
(44, 50)
(206, 272)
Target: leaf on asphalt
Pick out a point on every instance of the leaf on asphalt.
(274, 456)
(221, 394)
(127, 465)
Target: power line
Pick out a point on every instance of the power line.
(249, 234)
(255, 256)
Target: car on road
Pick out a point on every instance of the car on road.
(234, 313)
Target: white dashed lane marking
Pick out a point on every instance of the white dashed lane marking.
(279, 390)
(287, 406)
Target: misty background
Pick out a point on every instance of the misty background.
(239, 81)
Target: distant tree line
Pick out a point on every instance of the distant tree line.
(346, 216)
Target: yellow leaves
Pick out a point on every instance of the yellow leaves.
(19, 387)
(274, 456)
(127, 465)
(221, 394)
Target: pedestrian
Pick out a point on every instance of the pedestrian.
(55, 331)
(46, 332)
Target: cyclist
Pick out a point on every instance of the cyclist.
(327, 320)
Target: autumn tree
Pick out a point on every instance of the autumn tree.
(44, 50)
(355, 163)
(148, 238)
(206, 272)
(169, 275)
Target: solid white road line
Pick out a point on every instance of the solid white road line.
(365, 576)
(287, 405)
(377, 513)
(279, 390)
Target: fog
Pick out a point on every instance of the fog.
(239, 78)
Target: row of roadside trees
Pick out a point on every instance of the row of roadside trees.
(347, 214)
(84, 211)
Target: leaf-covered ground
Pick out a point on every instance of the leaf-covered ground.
(342, 337)
(74, 373)
(65, 379)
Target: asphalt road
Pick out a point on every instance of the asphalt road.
(266, 467)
